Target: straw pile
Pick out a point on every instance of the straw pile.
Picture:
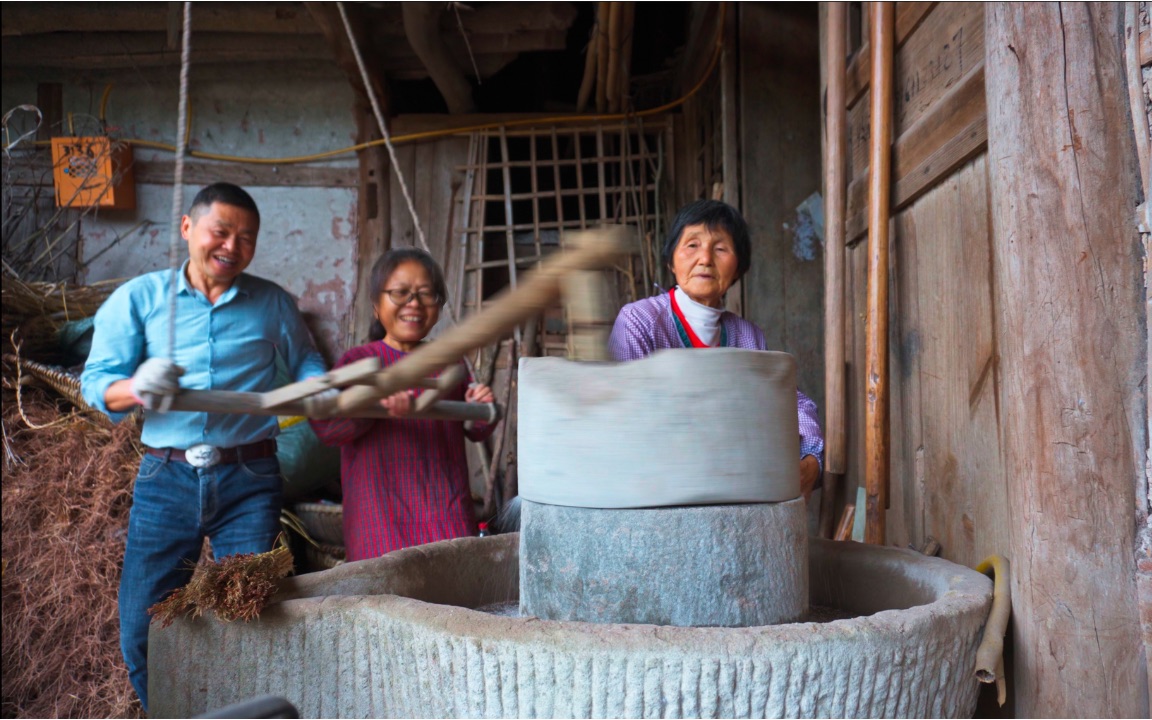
(67, 489)
(39, 309)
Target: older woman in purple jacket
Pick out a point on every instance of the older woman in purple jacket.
(707, 250)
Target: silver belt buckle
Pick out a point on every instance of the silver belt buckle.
(202, 456)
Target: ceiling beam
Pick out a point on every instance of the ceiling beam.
(138, 50)
(327, 18)
(289, 18)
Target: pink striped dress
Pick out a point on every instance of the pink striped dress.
(405, 481)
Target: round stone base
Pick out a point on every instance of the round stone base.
(709, 565)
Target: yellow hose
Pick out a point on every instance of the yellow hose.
(412, 137)
(990, 654)
(104, 102)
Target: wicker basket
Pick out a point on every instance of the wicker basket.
(323, 558)
(323, 521)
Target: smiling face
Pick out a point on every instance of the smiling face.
(705, 264)
(221, 242)
(406, 325)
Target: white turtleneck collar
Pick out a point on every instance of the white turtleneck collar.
(705, 321)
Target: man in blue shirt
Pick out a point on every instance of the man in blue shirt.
(203, 474)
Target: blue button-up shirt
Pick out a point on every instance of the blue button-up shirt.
(231, 345)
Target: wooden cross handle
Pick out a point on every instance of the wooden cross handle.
(537, 291)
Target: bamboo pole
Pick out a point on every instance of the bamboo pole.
(616, 19)
(876, 463)
(603, 11)
(589, 81)
(627, 32)
(836, 120)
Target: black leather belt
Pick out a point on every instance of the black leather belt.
(205, 456)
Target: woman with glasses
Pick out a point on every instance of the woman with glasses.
(405, 481)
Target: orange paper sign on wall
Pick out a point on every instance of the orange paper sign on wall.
(93, 172)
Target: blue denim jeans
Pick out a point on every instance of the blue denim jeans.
(174, 506)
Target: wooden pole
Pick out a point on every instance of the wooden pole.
(627, 32)
(876, 461)
(835, 186)
(589, 81)
(1070, 348)
(611, 89)
(603, 11)
(253, 403)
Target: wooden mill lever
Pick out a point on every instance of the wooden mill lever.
(363, 383)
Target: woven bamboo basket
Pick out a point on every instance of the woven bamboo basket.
(323, 521)
(324, 557)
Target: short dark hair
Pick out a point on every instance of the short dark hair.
(712, 214)
(225, 193)
(388, 263)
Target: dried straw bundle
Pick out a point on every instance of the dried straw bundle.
(237, 587)
(39, 309)
(67, 490)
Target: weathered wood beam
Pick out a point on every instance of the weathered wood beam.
(37, 171)
(138, 50)
(1071, 333)
(54, 17)
(97, 51)
(374, 213)
(421, 27)
(876, 426)
(327, 17)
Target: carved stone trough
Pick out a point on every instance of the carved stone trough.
(606, 606)
(399, 636)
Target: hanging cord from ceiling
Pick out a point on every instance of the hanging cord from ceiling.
(178, 180)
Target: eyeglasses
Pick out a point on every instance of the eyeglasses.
(427, 298)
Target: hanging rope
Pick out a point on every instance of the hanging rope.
(392, 156)
(178, 181)
(383, 129)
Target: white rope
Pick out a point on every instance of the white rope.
(392, 155)
(178, 181)
(383, 128)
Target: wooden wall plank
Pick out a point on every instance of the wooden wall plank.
(161, 172)
(38, 171)
(948, 135)
(909, 16)
(430, 170)
(951, 463)
(50, 17)
(91, 51)
(945, 48)
(1072, 342)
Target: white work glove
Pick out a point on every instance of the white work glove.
(156, 383)
(323, 404)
